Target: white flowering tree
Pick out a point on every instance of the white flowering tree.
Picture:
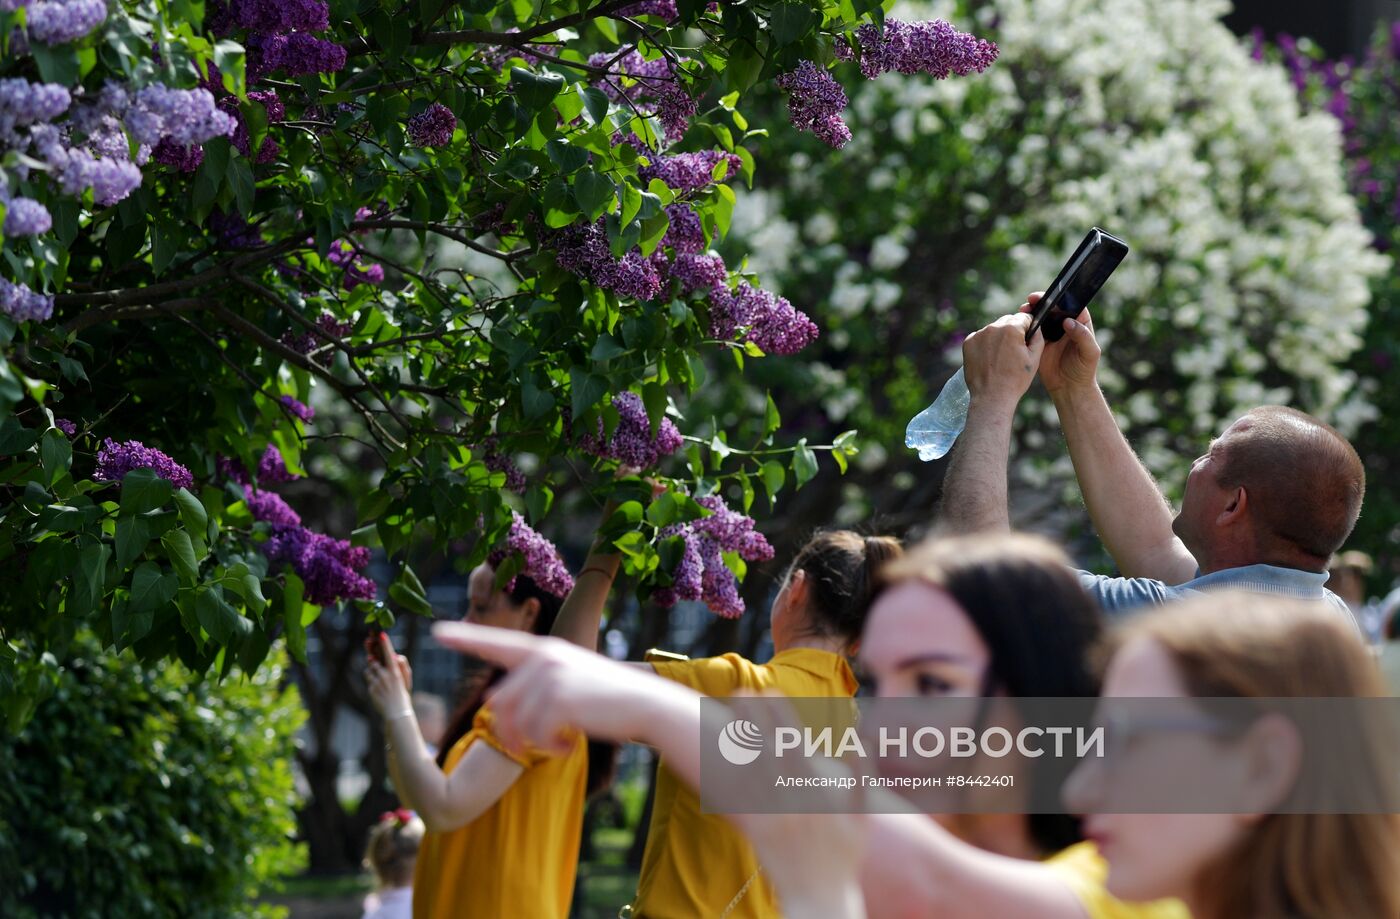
(1248, 278)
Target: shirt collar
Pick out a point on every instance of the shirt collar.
(1293, 582)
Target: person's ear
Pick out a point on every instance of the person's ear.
(530, 611)
(1273, 751)
(1235, 508)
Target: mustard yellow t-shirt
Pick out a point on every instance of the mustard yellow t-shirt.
(696, 863)
(520, 856)
(1086, 871)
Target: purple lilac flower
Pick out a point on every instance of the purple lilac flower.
(633, 442)
(328, 567)
(773, 323)
(732, 531)
(295, 54)
(298, 408)
(675, 107)
(543, 565)
(688, 576)
(232, 229)
(698, 272)
(1395, 40)
(688, 171)
(115, 460)
(685, 233)
(583, 249)
(110, 180)
(185, 159)
(361, 273)
(496, 461)
(432, 127)
(815, 103)
(270, 508)
(26, 217)
(23, 102)
(1256, 37)
(933, 47)
(66, 426)
(242, 138)
(57, 22)
(185, 116)
(22, 304)
(306, 342)
(718, 586)
(656, 81)
(280, 15)
(272, 468)
(662, 9)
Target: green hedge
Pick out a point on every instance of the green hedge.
(149, 792)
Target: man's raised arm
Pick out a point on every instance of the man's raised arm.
(999, 367)
(1126, 506)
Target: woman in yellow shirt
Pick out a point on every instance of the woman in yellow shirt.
(503, 826)
(697, 864)
(963, 617)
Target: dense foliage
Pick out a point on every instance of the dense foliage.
(1364, 97)
(453, 254)
(1250, 272)
(140, 791)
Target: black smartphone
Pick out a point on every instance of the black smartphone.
(1083, 275)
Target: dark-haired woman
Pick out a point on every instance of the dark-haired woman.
(484, 806)
(699, 864)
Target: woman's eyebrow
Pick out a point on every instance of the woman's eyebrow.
(932, 657)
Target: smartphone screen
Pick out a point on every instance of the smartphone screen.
(1077, 283)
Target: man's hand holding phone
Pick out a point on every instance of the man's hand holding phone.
(998, 364)
(1072, 362)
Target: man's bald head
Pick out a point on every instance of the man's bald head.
(1304, 480)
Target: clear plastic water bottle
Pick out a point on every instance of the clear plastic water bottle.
(934, 430)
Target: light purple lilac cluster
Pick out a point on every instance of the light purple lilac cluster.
(115, 460)
(583, 249)
(66, 426)
(57, 22)
(269, 507)
(662, 9)
(432, 127)
(543, 564)
(701, 573)
(772, 323)
(25, 217)
(298, 408)
(633, 442)
(306, 342)
(681, 171)
(497, 461)
(185, 116)
(650, 87)
(347, 255)
(815, 103)
(933, 47)
(272, 469)
(22, 304)
(329, 567)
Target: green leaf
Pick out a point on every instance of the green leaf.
(192, 513)
(593, 192)
(631, 200)
(142, 491)
(774, 477)
(55, 455)
(15, 437)
(215, 614)
(804, 463)
(565, 155)
(133, 535)
(538, 500)
(596, 102)
(292, 623)
(790, 21)
(724, 208)
(252, 592)
(606, 348)
(535, 91)
(410, 599)
(585, 389)
(663, 510)
(535, 401)
(240, 178)
(771, 419)
(90, 576)
(252, 650)
(178, 547)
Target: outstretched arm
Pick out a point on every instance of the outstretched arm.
(999, 367)
(911, 866)
(445, 802)
(1127, 508)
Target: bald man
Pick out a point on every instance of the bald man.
(1263, 510)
